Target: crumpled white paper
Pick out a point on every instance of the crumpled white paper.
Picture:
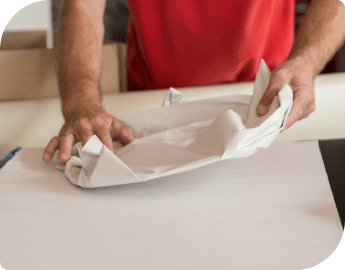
(182, 136)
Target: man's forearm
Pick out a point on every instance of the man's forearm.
(321, 34)
(80, 53)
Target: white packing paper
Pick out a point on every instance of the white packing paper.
(182, 136)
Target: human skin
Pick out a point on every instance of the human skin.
(80, 52)
(320, 35)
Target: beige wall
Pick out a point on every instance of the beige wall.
(28, 68)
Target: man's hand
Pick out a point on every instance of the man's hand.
(79, 44)
(301, 81)
(320, 35)
(81, 125)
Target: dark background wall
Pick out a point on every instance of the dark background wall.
(116, 17)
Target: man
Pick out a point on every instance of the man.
(180, 43)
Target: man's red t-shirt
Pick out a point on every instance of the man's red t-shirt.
(203, 42)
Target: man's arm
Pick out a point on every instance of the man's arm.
(81, 34)
(321, 34)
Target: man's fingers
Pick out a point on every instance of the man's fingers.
(84, 131)
(298, 111)
(277, 80)
(105, 127)
(266, 100)
(119, 130)
(51, 148)
(103, 134)
(66, 143)
(126, 135)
